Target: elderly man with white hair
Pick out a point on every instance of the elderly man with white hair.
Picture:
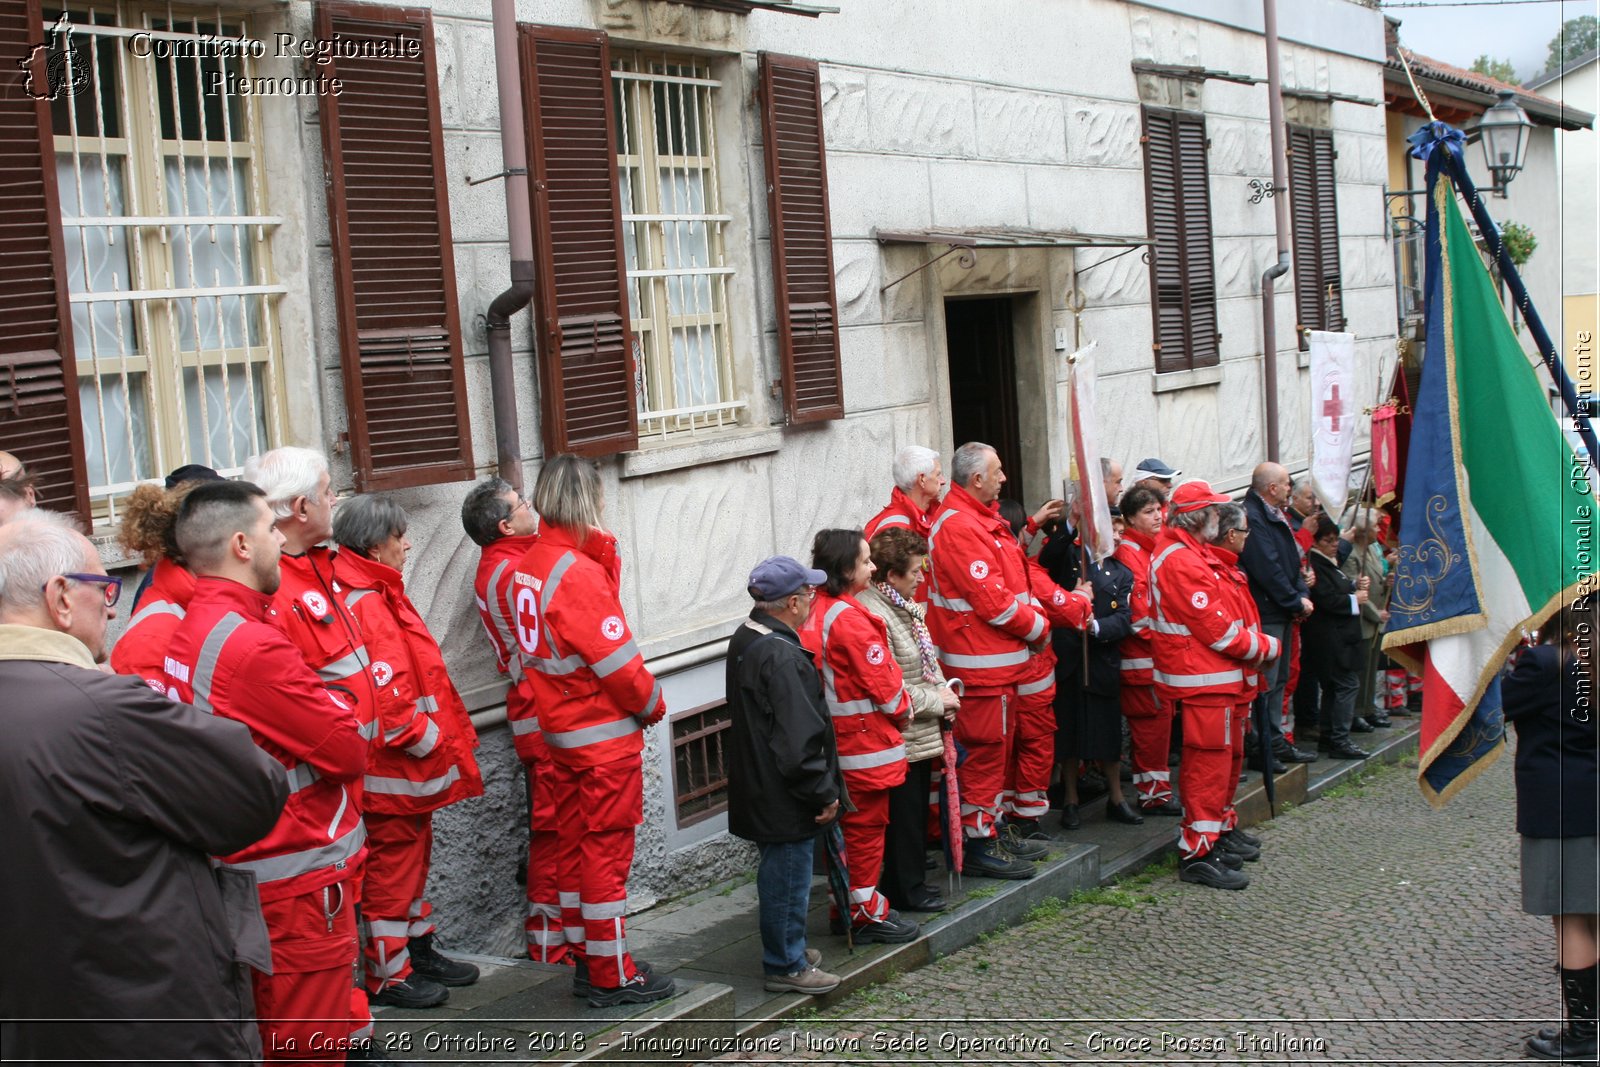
(115, 797)
(918, 484)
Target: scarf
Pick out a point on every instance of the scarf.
(919, 629)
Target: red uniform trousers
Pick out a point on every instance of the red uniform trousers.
(1230, 814)
(399, 852)
(1286, 713)
(306, 1009)
(600, 806)
(863, 849)
(547, 941)
(1150, 730)
(1033, 751)
(1213, 742)
(985, 730)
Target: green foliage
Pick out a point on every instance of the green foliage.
(1048, 908)
(1519, 241)
(1114, 896)
(982, 892)
(1499, 69)
(1577, 36)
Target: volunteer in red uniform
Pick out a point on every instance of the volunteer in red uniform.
(1203, 651)
(422, 762)
(868, 705)
(227, 658)
(148, 517)
(1033, 754)
(986, 631)
(1149, 719)
(502, 524)
(918, 483)
(1233, 527)
(595, 696)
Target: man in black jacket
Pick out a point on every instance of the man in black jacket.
(1271, 560)
(784, 783)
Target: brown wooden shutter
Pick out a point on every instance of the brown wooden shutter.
(1314, 216)
(39, 417)
(802, 238)
(1183, 277)
(389, 218)
(586, 353)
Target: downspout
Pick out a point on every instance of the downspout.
(514, 154)
(1280, 210)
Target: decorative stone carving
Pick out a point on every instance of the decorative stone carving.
(1126, 280)
(1238, 146)
(1020, 126)
(1104, 134)
(921, 116)
(1160, 37)
(846, 121)
(855, 282)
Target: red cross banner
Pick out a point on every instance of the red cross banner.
(1094, 527)
(1385, 454)
(1334, 412)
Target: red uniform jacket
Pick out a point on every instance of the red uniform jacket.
(864, 690)
(1239, 599)
(978, 610)
(900, 512)
(311, 613)
(1061, 608)
(496, 594)
(226, 659)
(1138, 648)
(586, 675)
(1203, 645)
(142, 648)
(423, 759)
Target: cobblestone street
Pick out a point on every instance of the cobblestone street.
(1375, 930)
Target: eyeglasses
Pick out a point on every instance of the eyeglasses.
(520, 505)
(113, 585)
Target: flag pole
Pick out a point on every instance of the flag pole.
(1508, 272)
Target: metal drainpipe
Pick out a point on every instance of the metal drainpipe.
(1280, 209)
(514, 154)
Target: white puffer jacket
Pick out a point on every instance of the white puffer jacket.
(922, 736)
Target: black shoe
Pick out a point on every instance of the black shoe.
(1348, 751)
(1382, 722)
(1204, 870)
(442, 969)
(1166, 807)
(1123, 812)
(580, 972)
(414, 992)
(1566, 1045)
(642, 988)
(889, 930)
(1360, 725)
(1240, 834)
(928, 902)
(986, 858)
(1246, 852)
(1070, 819)
(1294, 754)
(1275, 766)
(1231, 860)
(1027, 829)
(1012, 840)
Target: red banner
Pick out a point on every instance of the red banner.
(1385, 461)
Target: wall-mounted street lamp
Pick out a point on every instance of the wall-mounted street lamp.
(1503, 133)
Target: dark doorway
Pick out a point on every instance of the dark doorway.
(983, 381)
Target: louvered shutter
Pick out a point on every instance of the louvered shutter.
(39, 418)
(802, 239)
(1183, 278)
(389, 217)
(586, 352)
(1314, 215)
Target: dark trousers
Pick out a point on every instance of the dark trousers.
(1278, 680)
(904, 846)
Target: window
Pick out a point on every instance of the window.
(699, 767)
(1313, 211)
(1183, 279)
(672, 232)
(169, 276)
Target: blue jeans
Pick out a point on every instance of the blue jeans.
(783, 887)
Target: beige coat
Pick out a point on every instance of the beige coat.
(1368, 562)
(922, 736)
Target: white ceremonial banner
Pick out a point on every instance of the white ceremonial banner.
(1334, 413)
(1094, 525)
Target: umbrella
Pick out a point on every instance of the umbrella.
(1262, 739)
(950, 800)
(838, 876)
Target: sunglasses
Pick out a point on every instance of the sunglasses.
(112, 584)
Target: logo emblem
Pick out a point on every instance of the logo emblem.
(314, 602)
(875, 654)
(612, 629)
(1059, 597)
(1200, 600)
(382, 673)
(66, 70)
(979, 569)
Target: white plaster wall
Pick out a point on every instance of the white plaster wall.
(1578, 152)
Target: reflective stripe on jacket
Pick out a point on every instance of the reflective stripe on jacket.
(863, 688)
(496, 596)
(142, 648)
(901, 511)
(1138, 648)
(1237, 584)
(226, 659)
(586, 675)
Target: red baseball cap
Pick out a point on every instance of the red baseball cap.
(1194, 495)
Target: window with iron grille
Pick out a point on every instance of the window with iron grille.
(699, 767)
(1183, 277)
(159, 169)
(1314, 216)
(672, 231)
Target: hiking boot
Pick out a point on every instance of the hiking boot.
(889, 930)
(1021, 847)
(580, 973)
(1205, 870)
(985, 857)
(1028, 829)
(1239, 833)
(416, 991)
(810, 980)
(1239, 847)
(642, 988)
(442, 969)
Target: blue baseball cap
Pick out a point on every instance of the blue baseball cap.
(781, 576)
(1154, 468)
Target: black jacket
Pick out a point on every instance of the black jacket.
(1331, 637)
(1271, 560)
(1113, 587)
(1558, 778)
(783, 768)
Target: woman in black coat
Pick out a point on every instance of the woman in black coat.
(1549, 698)
(1331, 637)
